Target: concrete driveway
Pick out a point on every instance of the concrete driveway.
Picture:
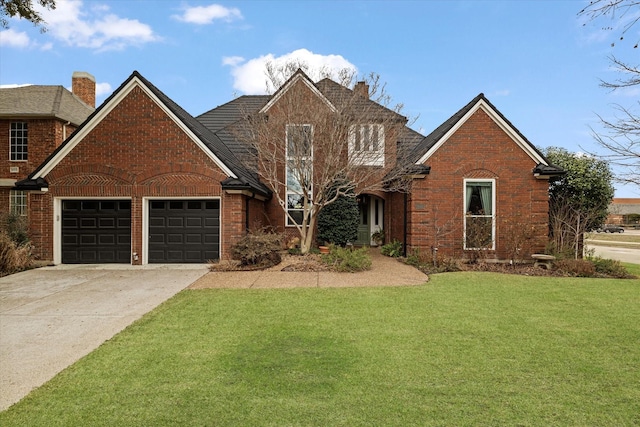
(51, 317)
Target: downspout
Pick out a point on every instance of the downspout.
(246, 210)
(404, 226)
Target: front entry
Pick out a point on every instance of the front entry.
(371, 212)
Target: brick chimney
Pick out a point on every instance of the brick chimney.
(362, 89)
(83, 85)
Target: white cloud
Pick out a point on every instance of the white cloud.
(13, 38)
(96, 28)
(103, 89)
(202, 15)
(250, 78)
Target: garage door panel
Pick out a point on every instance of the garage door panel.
(175, 222)
(194, 222)
(95, 231)
(190, 230)
(155, 221)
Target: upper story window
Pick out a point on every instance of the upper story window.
(18, 140)
(366, 145)
(299, 171)
(479, 214)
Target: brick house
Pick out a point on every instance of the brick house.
(34, 120)
(142, 181)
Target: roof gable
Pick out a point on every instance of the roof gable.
(431, 143)
(196, 132)
(298, 77)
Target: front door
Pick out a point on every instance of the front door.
(364, 230)
(371, 211)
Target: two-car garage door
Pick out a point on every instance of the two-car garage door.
(179, 231)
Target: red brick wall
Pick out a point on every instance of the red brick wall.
(479, 149)
(44, 136)
(135, 152)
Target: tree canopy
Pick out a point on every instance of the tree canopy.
(23, 9)
(578, 200)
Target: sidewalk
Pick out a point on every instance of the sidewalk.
(385, 271)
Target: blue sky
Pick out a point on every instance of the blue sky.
(535, 60)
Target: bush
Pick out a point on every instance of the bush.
(392, 249)
(13, 257)
(338, 221)
(258, 248)
(426, 263)
(576, 267)
(346, 260)
(610, 268)
(16, 227)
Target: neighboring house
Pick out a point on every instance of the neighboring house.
(142, 181)
(624, 212)
(34, 120)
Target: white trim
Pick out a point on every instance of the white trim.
(57, 222)
(145, 221)
(493, 212)
(105, 110)
(365, 157)
(482, 105)
(298, 77)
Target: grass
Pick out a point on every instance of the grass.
(467, 348)
(614, 237)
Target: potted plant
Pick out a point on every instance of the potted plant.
(378, 237)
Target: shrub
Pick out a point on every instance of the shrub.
(610, 268)
(346, 260)
(392, 249)
(576, 267)
(16, 227)
(258, 248)
(13, 257)
(428, 265)
(338, 221)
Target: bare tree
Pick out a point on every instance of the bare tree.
(315, 142)
(621, 136)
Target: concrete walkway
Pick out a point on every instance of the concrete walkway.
(384, 271)
(50, 317)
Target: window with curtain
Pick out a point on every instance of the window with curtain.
(479, 214)
(299, 170)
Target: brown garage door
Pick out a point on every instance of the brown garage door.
(96, 231)
(184, 231)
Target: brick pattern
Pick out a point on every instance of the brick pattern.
(479, 149)
(135, 152)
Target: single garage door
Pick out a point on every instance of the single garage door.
(96, 231)
(184, 231)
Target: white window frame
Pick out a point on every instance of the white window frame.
(19, 141)
(309, 158)
(493, 212)
(18, 201)
(365, 153)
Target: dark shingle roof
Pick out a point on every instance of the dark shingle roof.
(43, 101)
(226, 114)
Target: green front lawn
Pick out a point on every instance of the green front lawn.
(467, 348)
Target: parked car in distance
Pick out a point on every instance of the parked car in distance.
(610, 229)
